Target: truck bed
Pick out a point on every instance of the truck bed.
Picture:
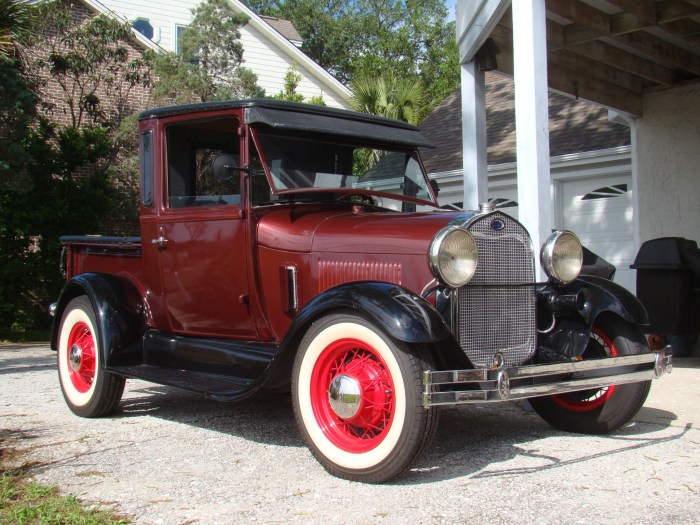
(101, 254)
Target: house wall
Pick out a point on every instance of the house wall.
(266, 58)
(122, 99)
(668, 152)
(270, 63)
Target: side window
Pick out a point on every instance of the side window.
(203, 162)
(147, 168)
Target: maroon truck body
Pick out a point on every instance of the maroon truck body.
(289, 243)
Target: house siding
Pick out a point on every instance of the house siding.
(266, 58)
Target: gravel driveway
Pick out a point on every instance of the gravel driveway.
(172, 457)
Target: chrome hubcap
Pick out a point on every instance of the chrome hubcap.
(75, 356)
(345, 396)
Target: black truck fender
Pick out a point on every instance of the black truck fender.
(403, 315)
(573, 309)
(607, 296)
(121, 314)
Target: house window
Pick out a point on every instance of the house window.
(143, 26)
(607, 192)
(178, 38)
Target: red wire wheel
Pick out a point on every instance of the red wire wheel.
(357, 397)
(600, 346)
(89, 390)
(81, 357)
(600, 410)
(370, 417)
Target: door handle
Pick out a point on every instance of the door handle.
(160, 242)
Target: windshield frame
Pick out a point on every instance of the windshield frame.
(411, 151)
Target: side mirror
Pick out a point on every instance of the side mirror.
(225, 165)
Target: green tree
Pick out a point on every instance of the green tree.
(16, 20)
(209, 66)
(389, 96)
(90, 62)
(53, 178)
(291, 82)
(365, 38)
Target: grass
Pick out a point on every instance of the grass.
(25, 502)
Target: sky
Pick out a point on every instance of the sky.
(450, 4)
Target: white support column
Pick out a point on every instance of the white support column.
(536, 209)
(474, 159)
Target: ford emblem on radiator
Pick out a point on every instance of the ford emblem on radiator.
(497, 224)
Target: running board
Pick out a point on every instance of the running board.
(221, 388)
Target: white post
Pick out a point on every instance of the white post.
(532, 121)
(474, 159)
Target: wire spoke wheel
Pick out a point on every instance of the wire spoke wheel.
(89, 390)
(600, 410)
(371, 396)
(599, 346)
(357, 399)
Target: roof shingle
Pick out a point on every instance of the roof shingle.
(574, 126)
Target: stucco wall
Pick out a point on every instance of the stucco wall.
(668, 163)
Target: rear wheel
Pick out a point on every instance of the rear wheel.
(357, 399)
(599, 411)
(89, 390)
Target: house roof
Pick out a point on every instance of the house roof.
(284, 28)
(574, 126)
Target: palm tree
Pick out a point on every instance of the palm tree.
(16, 18)
(390, 96)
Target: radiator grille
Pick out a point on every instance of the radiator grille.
(495, 313)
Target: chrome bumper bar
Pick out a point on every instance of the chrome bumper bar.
(483, 385)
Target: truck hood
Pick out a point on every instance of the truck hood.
(307, 229)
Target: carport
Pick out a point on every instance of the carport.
(638, 58)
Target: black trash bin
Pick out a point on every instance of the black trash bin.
(667, 285)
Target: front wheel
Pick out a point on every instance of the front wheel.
(599, 411)
(89, 390)
(357, 399)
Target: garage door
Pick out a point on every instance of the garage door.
(600, 212)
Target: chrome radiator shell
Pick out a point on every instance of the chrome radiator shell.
(494, 315)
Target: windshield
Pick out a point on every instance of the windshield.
(308, 164)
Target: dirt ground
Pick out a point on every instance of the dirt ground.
(171, 457)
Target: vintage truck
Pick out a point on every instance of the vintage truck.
(289, 246)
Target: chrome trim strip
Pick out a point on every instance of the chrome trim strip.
(494, 385)
(292, 290)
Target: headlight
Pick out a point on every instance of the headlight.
(453, 256)
(562, 256)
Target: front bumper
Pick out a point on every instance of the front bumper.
(482, 385)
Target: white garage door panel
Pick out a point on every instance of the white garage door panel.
(600, 212)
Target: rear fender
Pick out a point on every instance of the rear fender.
(121, 314)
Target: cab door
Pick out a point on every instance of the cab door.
(201, 231)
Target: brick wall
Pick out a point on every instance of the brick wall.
(116, 102)
(119, 101)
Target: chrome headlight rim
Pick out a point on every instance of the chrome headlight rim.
(435, 251)
(561, 270)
